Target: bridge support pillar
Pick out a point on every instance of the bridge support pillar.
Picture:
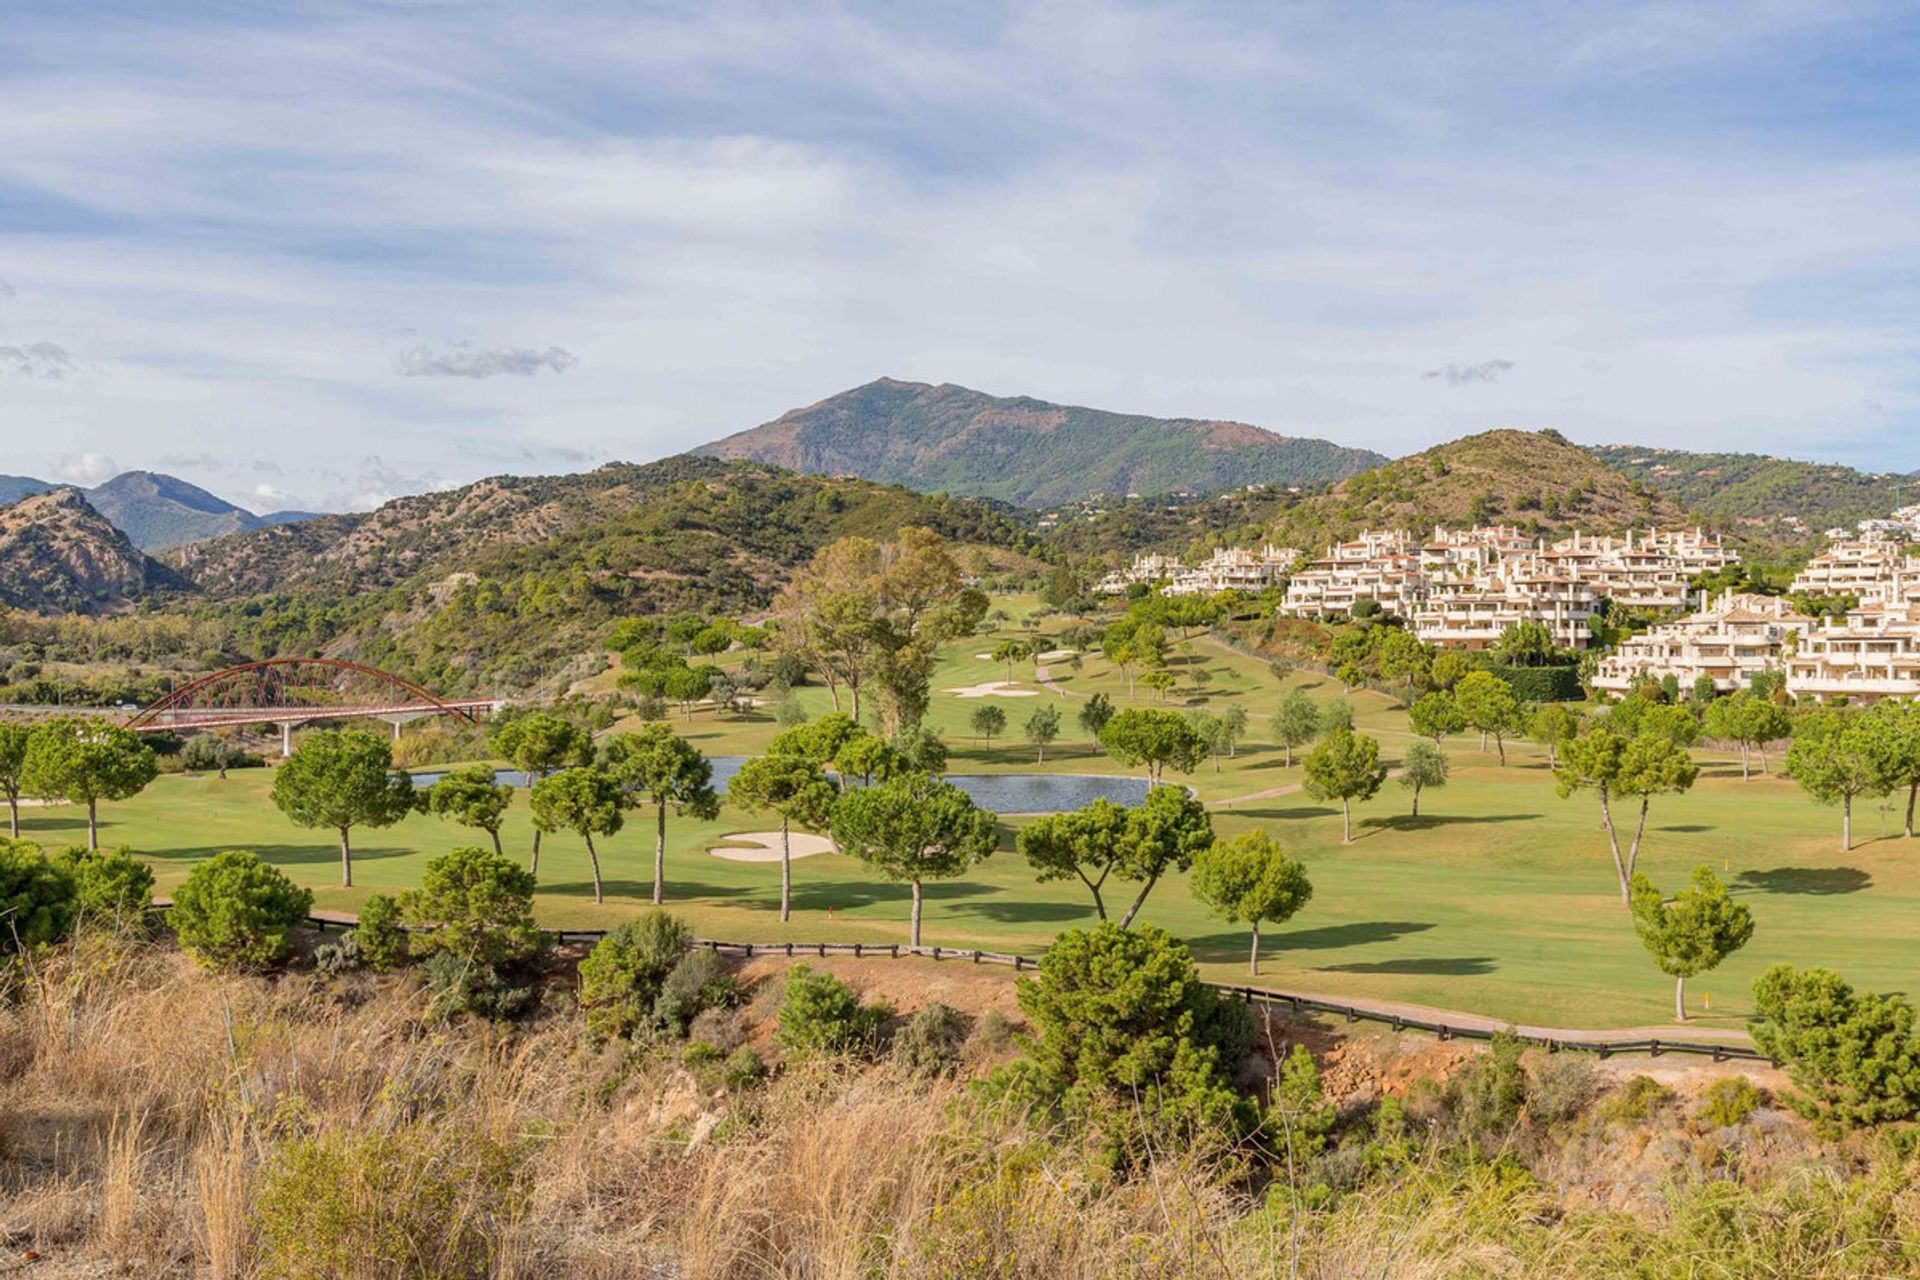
(286, 739)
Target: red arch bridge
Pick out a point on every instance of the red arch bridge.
(290, 692)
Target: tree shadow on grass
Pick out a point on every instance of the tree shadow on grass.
(1327, 937)
(1428, 821)
(1295, 813)
(1821, 881)
(281, 855)
(581, 886)
(1026, 912)
(1687, 828)
(1433, 966)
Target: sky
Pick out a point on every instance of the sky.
(315, 255)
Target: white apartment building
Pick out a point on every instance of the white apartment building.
(1234, 569)
(1472, 613)
(1732, 640)
(1872, 653)
(1871, 569)
(1147, 568)
(1383, 567)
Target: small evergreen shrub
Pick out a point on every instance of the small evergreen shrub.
(38, 896)
(112, 886)
(1561, 1086)
(622, 977)
(698, 983)
(1731, 1102)
(478, 989)
(928, 1045)
(236, 912)
(820, 1014)
(742, 1069)
(333, 959)
(1637, 1101)
(381, 942)
(474, 916)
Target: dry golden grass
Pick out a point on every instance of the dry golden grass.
(159, 1120)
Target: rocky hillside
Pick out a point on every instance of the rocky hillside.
(1537, 480)
(504, 583)
(1775, 498)
(59, 555)
(1029, 452)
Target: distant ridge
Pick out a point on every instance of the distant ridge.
(59, 555)
(156, 511)
(956, 440)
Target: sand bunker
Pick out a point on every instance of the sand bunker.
(994, 689)
(764, 846)
(1057, 655)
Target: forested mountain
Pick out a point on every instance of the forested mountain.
(1029, 452)
(503, 584)
(1774, 497)
(59, 555)
(1537, 480)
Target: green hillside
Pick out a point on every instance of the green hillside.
(1775, 498)
(508, 584)
(1536, 480)
(1025, 451)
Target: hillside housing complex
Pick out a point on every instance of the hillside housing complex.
(1462, 588)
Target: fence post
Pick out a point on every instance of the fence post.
(1653, 1047)
(823, 951)
(895, 950)
(856, 951)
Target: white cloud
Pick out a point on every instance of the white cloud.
(43, 360)
(1459, 375)
(86, 468)
(463, 360)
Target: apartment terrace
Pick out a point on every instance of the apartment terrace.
(1731, 641)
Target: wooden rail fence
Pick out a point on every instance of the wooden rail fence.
(1653, 1046)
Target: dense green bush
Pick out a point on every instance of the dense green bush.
(473, 913)
(1853, 1056)
(1125, 1032)
(112, 886)
(1541, 684)
(433, 1202)
(698, 983)
(1731, 1101)
(235, 911)
(821, 1014)
(928, 1044)
(381, 941)
(38, 896)
(621, 978)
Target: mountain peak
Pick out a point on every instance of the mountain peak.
(1025, 450)
(59, 555)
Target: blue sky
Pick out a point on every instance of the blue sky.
(317, 254)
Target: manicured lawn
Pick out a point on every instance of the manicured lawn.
(1501, 899)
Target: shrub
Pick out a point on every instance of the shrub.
(1302, 1115)
(1541, 684)
(928, 1046)
(1482, 1104)
(1124, 1031)
(380, 940)
(1560, 1086)
(719, 1027)
(112, 886)
(235, 911)
(992, 1033)
(417, 1201)
(38, 897)
(1731, 1101)
(820, 1014)
(482, 990)
(742, 1068)
(476, 904)
(1637, 1101)
(698, 983)
(621, 978)
(1853, 1056)
(336, 958)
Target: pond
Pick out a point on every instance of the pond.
(1000, 792)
